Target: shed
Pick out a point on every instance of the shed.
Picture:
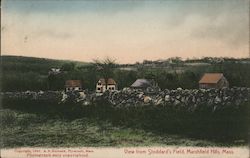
(142, 84)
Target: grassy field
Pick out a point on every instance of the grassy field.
(21, 129)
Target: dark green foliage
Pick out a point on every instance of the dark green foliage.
(168, 80)
(68, 66)
(23, 73)
(20, 81)
(27, 73)
(56, 82)
(7, 118)
(189, 80)
(226, 124)
(125, 78)
(33, 130)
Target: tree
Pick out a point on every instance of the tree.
(68, 66)
(105, 67)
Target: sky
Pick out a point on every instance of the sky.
(125, 30)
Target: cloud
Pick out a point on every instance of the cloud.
(52, 34)
(225, 21)
(232, 30)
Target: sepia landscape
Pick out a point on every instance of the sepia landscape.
(124, 73)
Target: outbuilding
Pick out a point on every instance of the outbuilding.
(213, 80)
(148, 85)
(142, 84)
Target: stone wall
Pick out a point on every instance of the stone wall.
(31, 95)
(189, 98)
(183, 97)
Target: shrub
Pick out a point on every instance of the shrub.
(8, 118)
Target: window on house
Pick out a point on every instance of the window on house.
(113, 88)
(98, 89)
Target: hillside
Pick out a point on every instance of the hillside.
(28, 73)
(27, 64)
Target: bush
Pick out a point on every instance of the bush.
(8, 118)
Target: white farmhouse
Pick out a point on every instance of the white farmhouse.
(55, 71)
(101, 86)
(73, 85)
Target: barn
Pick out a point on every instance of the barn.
(213, 80)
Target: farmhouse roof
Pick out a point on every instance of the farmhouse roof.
(141, 83)
(111, 81)
(73, 83)
(211, 77)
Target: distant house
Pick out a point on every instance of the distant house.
(73, 85)
(101, 85)
(213, 80)
(145, 84)
(54, 71)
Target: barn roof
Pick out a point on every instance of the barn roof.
(211, 77)
(141, 83)
(73, 83)
(111, 81)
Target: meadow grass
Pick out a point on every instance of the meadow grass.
(22, 129)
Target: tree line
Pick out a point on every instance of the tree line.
(21, 76)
